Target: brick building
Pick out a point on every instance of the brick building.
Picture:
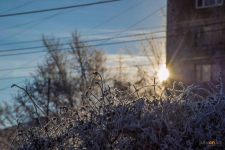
(195, 41)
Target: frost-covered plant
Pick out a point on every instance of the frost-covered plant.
(180, 120)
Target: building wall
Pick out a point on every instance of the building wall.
(195, 42)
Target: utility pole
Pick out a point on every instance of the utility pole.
(49, 84)
(154, 88)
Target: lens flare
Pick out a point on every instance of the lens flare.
(163, 73)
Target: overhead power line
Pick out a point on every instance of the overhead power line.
(1, 70)
(14, 8)
(86, 35)
(20, 66)
(17, 68)
(59, 8)
(180, 28)
(136, 23)
(131, 66)
(117, 15)
(43, 19)
(87, 41)
(115, 37)
(2, 89)
(119, 33)
(37, 22)
(101, 44)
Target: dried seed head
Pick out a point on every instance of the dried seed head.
(65, 109)
(63, 119)
(180, 83)
(54, 118)
(75, 112)
(82, 109)
(13, 85)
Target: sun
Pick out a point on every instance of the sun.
(163, 73)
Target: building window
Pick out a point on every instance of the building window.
(203, 73)
(203, 36)
(208, 3)
(208, 36)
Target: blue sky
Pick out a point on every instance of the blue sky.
(89, 20)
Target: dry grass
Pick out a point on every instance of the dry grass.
(179, 120)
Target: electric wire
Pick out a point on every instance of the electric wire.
(26, 23)
(59, 13)
(86, 41)
(183, 22)
(115, 16)
(87, 35)
(59, 8)
(42, 20)
(14, 8)
(18, 68)
(23, 66)
(215, 23)
(28, 76)
(2, 89)
(208, 31)
(102, 33)
(130, 66)
(102, 44)
(195, 33)
(152, 13)
(1, 70)
(38, 22)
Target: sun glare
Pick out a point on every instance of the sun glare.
(163, 73)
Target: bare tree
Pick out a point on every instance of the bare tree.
(152, 54)
(86, 60)
(69, 72)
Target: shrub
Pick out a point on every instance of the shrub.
(179, 120)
